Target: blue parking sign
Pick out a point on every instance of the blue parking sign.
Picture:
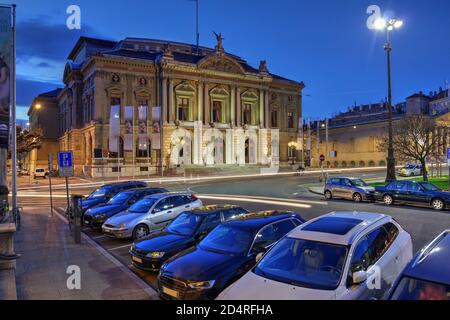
(448, 153)
(65, 164)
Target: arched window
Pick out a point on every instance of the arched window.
(382, 163)
(114, 155)
(362, 164)
(371, 163)
(336, 164)
(344, 164)
(353, 164)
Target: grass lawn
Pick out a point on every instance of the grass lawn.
(441, 182)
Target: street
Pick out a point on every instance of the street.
(285, 192)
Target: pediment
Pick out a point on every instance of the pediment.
(221, 63)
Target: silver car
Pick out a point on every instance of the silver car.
(150, 214)
(349, 188)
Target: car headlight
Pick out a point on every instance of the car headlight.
(122, 226)
(155, 255)
(202, 284)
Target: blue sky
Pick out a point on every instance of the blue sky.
(324, 43)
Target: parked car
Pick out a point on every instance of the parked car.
(96, 216)
(40, 173)
(150, 214)
(427, 276)
(414, 193)
(184, 232)
(349, 188)
(226, 254)
(411, 170)
(339, 256)
(107, 192)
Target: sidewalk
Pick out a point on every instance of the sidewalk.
(47, 250)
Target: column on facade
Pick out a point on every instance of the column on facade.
(200, 96)
(172, 103)
(233, 106)
(207, 113)
(238, 107)
(164, 100)
(261, 108)
(266, 109)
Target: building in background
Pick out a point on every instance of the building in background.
(354, 135)
(210, 89)
(44, 115)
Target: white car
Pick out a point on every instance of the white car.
(40, 173)
(150, 214)
(339, 256)
(410, 170)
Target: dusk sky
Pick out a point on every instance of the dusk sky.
(324, 43)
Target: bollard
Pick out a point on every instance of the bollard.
(77, 218)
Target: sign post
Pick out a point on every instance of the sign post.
(50, 172)
(322, 159)
(65, 169)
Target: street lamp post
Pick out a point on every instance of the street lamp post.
(390, 25)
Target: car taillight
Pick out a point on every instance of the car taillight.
(194, 197)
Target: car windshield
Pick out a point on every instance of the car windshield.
(428, 186)
(410, 166)
(304, 263)
(142, 206)
(229, 240)
(99, 193)
(120, 198)
(358, 183)
(186, 224)
(412, 289)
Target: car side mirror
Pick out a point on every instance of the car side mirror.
(359, 277)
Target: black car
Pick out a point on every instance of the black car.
(96, 216)
(107, 192)
(226, 254)
(184, 232)
(413, 192)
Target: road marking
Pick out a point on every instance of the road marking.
(273, 201)
(121, 247)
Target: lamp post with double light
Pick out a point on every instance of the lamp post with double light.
(389, 26)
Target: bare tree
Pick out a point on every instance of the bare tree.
(415, 139)
(27, 141)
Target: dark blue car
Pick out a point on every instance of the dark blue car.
(225, 255)
(427, 276)
(184, 232)
(107, 192)
(413, 192)
(96, 216)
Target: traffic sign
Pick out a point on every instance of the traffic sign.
(65, 164)
(448, 153)
(322, 158)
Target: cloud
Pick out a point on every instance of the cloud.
(27, 90)
(43, 65)
(39, 38)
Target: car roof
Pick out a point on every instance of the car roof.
(336, 227)
(255, 221)
(144, 189)
(166, 194)
(213, 209)
(118, 184)
(429, 264)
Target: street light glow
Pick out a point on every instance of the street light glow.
(398, 24)
(38, 106)
(380, 24)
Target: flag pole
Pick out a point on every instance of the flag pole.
(13, 116)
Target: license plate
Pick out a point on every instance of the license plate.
(170, 292)
(136, 259)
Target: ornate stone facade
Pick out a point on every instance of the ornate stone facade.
(199, 93)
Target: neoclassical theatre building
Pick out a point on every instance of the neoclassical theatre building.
(215, 108)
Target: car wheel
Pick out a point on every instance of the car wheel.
(141, 231)
(357, 197)
(438, 204)
(328, 195)
(388, 200)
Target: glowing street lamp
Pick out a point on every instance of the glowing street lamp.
(389, 25)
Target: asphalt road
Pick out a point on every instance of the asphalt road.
(268, 193)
